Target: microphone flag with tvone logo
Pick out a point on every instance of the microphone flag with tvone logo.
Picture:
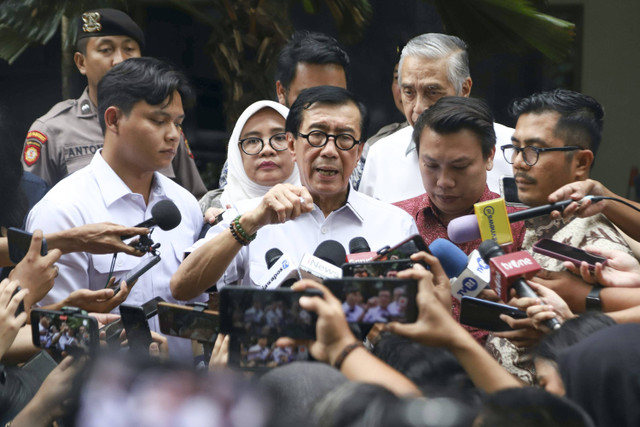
(493, 221)
(506, 269)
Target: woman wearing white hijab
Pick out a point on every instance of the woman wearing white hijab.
(258, 156)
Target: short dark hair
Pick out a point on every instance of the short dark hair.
(332, 95)
(581, 116)
(312, 48)
(141, 79)
(452, 114)
(571, 332)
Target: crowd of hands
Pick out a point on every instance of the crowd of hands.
(34, 277)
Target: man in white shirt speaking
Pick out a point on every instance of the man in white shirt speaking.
(432, 65)
(324, 130)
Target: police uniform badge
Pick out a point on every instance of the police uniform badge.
(33, 145)
(91, 22)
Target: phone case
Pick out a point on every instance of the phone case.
(483, 314)
(552, 249)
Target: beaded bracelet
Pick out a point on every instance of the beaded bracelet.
(239, 234)
(345, 352)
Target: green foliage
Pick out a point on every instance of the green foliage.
(23, 22)
(506, 24)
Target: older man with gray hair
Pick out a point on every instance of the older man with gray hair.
(431, 66)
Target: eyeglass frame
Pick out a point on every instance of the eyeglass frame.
(327, 136)
(241, 144)
(537, 150)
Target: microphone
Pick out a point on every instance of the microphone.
(465, 228)
(164, 214)
(474, 278)
(324, 263)
(469, 275)
(507, 272)
(281, 273)
(359, 251)
(451, 257)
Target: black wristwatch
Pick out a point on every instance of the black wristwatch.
(594, 303)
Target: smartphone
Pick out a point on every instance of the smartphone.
(387, 268)
(136, 272)
(114, 329)
(266, 313)
(262, 353)
(376, 300)
(509, 192)
(19, 242)
(483, 314)
(135, 324)
(403, 250)
(70, 330)
(564, 252)
(188, 322)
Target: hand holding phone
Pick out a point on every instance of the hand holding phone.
(564, 252)
(483, 314)
(19, 242)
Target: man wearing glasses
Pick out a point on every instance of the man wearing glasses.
(556, 137)
(324, 132)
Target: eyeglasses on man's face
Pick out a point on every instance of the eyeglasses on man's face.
(530, 154)
(317, 138)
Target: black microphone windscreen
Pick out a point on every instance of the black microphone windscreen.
(166, 215)
(332, 252)
(489, 249)
(272, 256)
(358, 245)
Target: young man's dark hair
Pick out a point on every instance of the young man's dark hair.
(141, 79)
(452, 114)
(312, 48)
(581, 116)
(332, 95)
(530, 407)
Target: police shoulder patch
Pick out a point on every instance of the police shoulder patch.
(32, 147)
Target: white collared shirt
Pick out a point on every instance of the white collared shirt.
(392, 172)
(379, 223)
(97, 194)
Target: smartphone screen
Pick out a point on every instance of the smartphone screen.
(376, 300)
(564, 252)
(185, 322)
(59, 331)
(404, 249)
(266, 313)
(135, 324)
(484, 314)
(262, 353)
(387, 268)
(19, 242)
